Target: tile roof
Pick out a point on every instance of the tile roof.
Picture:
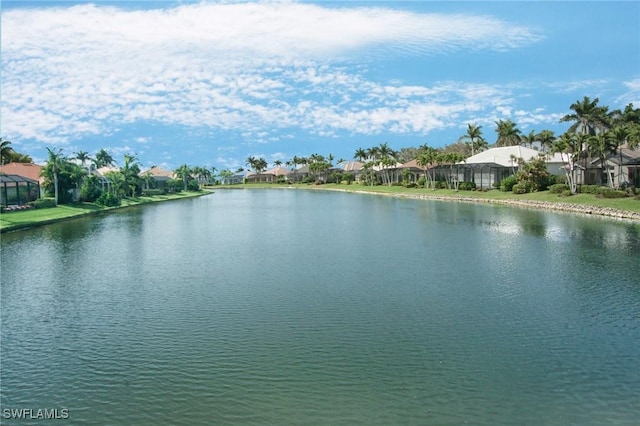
(28, 170)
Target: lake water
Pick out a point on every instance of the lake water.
(313, 307)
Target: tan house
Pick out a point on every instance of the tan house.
(277, 174)
(28, 170)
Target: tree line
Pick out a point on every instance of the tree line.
(594, 132)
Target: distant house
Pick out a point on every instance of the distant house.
(159, 175)
(623, 168)
(353, 167)
(490, 167)
(236, 179)
(299, 174)
(412, 170)
(277, 174)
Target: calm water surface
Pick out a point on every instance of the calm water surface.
(308, 307)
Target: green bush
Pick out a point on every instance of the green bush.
(566, 193)
(506, 185)
(422, 182)
(43, 203)
(611, 193)
(108, 199)
(520, 188)
(467, 186)
(590, 189)
(152, 192)
(91, 189)
(560, 178)
(192, 185)
(411, 185)
(558, 188)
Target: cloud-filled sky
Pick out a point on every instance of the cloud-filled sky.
(210, 83)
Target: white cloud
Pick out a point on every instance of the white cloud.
(633, 93)
(74, 71)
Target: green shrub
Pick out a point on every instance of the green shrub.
(611, 193)
(91, 189)
(467, 186)
(520, 188)
(43, 203)
(590, 189)
(566, 193)
(152, 192)
(558, 188)
(422, 182)
(108, 199)
(411, 185)
(560, 178)
(507, 183)
(192, 185)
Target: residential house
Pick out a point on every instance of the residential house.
(22, 182)
(159, 175)
(278, 174)
(412, 171)
(623, 168)
(353, 167)
(232, 180)
(489, 167)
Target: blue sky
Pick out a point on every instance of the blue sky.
(210, 83)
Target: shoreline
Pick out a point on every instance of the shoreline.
(140, 201)
(588, 210)
(558, 206)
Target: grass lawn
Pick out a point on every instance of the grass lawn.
(625, 204)
(27, 218)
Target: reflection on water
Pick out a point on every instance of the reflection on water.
(279, 307)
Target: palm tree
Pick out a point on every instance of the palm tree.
(83, 156)
(508, 133)
(131, 172)
(277, 163)
(426, 158)
(569, 145)
(618, 136)
(587, 116)
(212, 174)
(104, 159)
(360, 155)
(600, 146)
(54, 163)
(5, 151)
(529, 139)
(451, 158)
(473, 138)
(251, 162)
(184, 172)
(545, 137)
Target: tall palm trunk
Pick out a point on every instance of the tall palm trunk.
(55, 186)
